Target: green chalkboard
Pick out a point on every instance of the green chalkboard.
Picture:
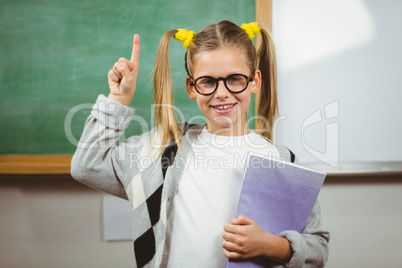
(55, 56)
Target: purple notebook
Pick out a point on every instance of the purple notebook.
(278, 196)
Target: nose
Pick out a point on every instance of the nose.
(222, 91)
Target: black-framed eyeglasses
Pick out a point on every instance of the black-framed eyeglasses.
(207, 85)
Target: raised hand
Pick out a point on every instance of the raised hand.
(122, 78)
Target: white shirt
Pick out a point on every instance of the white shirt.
(207, 198)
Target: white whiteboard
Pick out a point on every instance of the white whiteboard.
(340, 83)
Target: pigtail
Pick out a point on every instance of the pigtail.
(165, 120)
(267, 99)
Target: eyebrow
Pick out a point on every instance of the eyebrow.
(219, 76)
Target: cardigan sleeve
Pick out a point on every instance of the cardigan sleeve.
(99, 160)
(310, 248)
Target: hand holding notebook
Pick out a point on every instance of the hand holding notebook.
(277, 195)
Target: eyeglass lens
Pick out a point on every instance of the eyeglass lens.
(234, 83)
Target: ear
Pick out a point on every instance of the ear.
(256, 84)
(190, 89)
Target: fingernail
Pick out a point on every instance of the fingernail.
(117, 65)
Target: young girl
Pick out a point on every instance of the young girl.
(184, 182)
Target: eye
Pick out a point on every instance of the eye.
(235, 79)
(206, 81)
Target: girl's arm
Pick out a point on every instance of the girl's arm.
(244, 239)
(99, 160)
(95, 161)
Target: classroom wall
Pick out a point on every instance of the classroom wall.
(49, 221)
(53, 221)
(364, 215)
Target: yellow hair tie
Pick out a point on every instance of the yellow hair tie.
(184, 36)
(251, 29)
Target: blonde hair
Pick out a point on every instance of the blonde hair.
(224, 34)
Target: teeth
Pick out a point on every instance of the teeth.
(221, 107)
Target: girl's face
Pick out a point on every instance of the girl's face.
(232, 119)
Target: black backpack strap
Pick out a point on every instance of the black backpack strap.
(168, 157)
(169, 154)
(292, 156)
(286, 154)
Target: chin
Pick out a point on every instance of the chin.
(225, 122)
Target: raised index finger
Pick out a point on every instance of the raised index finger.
(135, 55)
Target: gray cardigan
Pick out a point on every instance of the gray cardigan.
(132, 170)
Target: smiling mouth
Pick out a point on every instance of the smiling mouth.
(223, 107)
